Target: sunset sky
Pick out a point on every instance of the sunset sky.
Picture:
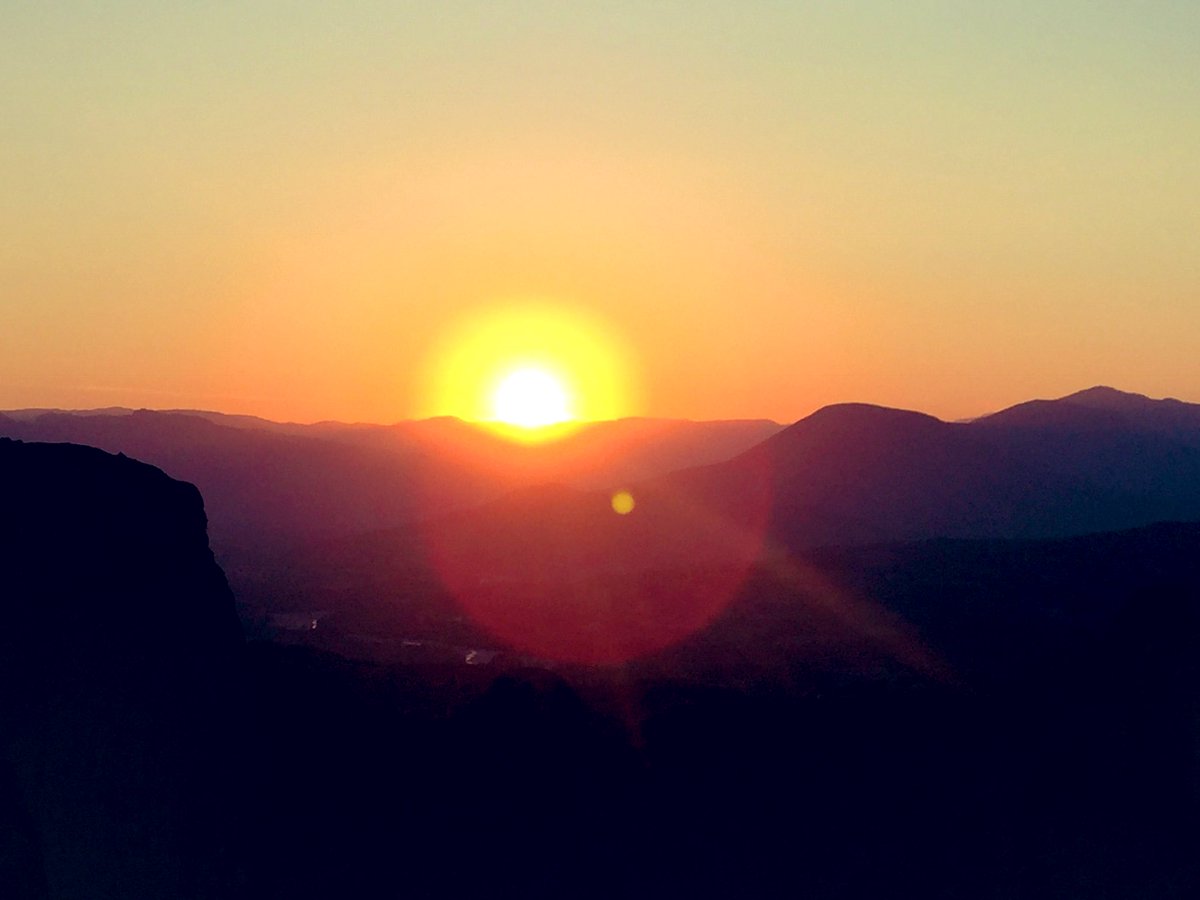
(301, 211)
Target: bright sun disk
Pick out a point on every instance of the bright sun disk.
(531, 398)
(533, 371)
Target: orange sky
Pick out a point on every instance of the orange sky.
(289, 210)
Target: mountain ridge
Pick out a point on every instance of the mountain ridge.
(847, 473)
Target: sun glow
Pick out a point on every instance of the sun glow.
(531, 371)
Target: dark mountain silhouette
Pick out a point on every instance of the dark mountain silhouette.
(1134, 458)
(942, 718)
(267, 484)
(592, 455)
(861, 474)
(266, 489)
(1135, 410)
(848, 475)
(1105, 408)
(119, 655)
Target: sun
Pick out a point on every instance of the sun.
(531, 397)
(531, 371)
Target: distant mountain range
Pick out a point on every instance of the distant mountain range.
(269, 484)
(407, 524)
(848, 474)
(1098, 460)
(853, 474)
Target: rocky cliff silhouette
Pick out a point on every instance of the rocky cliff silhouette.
(118, 663)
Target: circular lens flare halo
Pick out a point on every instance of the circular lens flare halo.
(613, 559)
(584, 578)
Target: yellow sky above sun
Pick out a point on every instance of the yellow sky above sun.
(293, 209)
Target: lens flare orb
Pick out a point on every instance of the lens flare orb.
(622, 503)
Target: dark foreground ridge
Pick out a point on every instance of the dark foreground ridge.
(118, 658)
(946, 718)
